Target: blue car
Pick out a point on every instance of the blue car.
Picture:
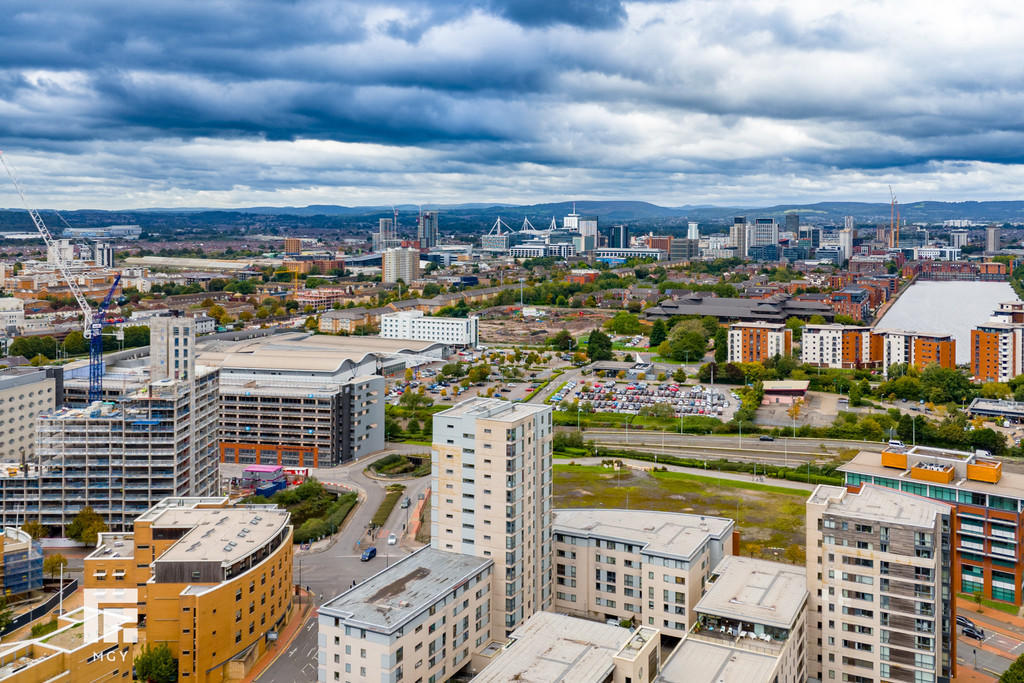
(369, 554)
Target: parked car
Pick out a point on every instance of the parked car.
(964, 621)
(896, 443)
(392, 539)
(369, 554)
(406, 502)
(976, 633)
(763, 437)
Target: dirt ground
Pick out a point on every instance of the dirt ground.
(499, 327)
(771, 524)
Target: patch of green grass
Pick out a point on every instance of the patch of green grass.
(770, 519)
(380, 517)
(1001, 606)
(731, 483)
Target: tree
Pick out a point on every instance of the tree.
(1015, 672)
(155, 664)
(35, 530)
(635, 306)
(562, 341)
(599, 346)
(721, 345)
(245, 316)
(52, 565)
(5, 613)
(688, 346)
(659, 333)
(624, 323)
(86, 526)
(75, 344)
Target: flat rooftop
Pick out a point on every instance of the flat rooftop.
(882, 504)
(1010, 484)
(493, 409)
(674, 534)
(302, 352)
(756, 591)
(555, 647)
(409, 586)
(224, 535)
(695, 661)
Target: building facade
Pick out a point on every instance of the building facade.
(649, 567)
(488, 457)
(213, 581)
(427, 230)
(758, 341)
(993, 239)
(840, 346)
(400, 264)
(305, 423)
(917, 349)
(25, 394)
(417, 326)
(997, 351)
(881, 585)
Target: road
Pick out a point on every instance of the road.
(968, 653)
(332, 571)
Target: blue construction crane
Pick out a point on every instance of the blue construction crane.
(92, 322)
(96, 345)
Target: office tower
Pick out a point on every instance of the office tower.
(793, 223)
(758, 341)
(492, 499)
(764, 232)
(809, 236)
(848, 223)
(993, 237)
(426, 231)
(879, 577)
(683, 249)
(958, 239)
(292, 246)
(619, 237)
(209, 578)
(588, 228)
(846, 242)
(386, 236)
(400, 264)
(692, 231)
(738, 236)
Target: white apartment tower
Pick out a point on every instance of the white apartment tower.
(492, 498)
(692, 231)
(846, 242)
(993, 239)
(879, 578)
(172, 346)
(400, 264)
(738, 236)
(958, 239)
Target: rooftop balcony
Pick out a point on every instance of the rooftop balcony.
(759, 638)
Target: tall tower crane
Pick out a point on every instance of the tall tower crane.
(92, 322)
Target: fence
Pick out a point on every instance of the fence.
(22, 619)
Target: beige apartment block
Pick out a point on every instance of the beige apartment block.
(419, 620)
(492, 499)
(754, 609)
(555, 647)
(647, 567)
(878, 574)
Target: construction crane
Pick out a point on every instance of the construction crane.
(894, 221)
(92, 322)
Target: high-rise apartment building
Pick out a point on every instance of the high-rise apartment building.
(292, 246)
(427, 230)
(846, 242)
(997, 351)
(400, 264)
(879, 565)
(172, 348)
(692, 231)
(386, 236)
(738, 237)
(958, 239)
(758, 341)
(588, 227)
(492, 470)
(993, 239)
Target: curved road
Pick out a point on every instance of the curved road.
(331, 571)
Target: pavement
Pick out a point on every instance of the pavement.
(1004, 642)
(329, 567)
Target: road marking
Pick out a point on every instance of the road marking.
(292, 651)
(311, 652)
(994, 673)
(311, 624)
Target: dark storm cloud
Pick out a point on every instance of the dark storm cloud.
(656, 94)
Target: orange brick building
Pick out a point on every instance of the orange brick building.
(759, 341)
(996, 351)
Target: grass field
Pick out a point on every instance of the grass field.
(770, 518)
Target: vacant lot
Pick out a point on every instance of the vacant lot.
(770, 519)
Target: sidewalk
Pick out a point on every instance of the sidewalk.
(965, 674)
(284, 639)
(1008, 624)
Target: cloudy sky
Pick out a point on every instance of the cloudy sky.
(175, 103)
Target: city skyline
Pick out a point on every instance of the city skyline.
(232, 104)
